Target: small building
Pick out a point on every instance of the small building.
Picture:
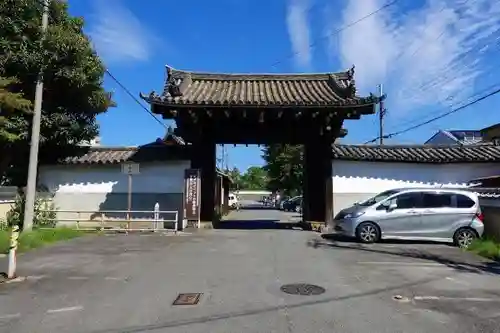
(461, 137)
(492, 134)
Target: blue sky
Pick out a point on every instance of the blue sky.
(428, 55)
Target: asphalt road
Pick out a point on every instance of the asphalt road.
(127, 283)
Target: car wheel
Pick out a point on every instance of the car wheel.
(464, 237)
(367, 232)
(297, 209)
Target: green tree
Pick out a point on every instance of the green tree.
(235, 176)
(255, 178)
(284, 167)
(10, 104)
(73, 84)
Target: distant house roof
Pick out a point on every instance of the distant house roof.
(476, 153)
(464, 137)
(489, 128)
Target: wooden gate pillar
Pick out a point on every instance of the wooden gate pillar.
(318, 190)
(225, 199)
(203, 158)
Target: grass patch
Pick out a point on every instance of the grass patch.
(486, 248)
(37, 238)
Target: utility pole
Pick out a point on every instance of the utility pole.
(35, 135)
(226, 158)
(381, 115)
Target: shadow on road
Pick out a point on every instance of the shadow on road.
(238, 314)
(255, 224)
(467, 263)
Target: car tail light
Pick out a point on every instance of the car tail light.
(480, 216)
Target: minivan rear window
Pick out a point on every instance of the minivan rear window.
(464, 201)
(445, 200)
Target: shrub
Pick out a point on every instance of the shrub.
(3, 224)
(44, 213)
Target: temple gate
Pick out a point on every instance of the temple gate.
(307, 109)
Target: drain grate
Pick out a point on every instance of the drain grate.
(302, 289)
(187, 299)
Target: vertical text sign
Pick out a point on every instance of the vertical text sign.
(192, 180)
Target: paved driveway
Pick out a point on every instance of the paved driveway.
(128, 283)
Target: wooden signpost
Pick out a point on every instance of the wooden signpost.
(192, 180)
(130, 169)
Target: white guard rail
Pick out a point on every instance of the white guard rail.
(84, 219)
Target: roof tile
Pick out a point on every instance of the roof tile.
(485, 152)
(117, 155)
(325, 89)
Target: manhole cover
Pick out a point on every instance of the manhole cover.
(187, 299)
(400, 298)
(302, 289)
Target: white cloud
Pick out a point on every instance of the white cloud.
(118, 35)
(430, 55)
(299, 31)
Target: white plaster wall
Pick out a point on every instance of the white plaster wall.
(358, 180)
(89, 188)
(153, 177)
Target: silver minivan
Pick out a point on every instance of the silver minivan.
(436, 214)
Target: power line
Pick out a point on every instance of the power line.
(419, 48)
(442, 80)
(480, 92)
(313, 44)
(445, 77)
(388, 136)
(413, 54)
(42, 3)
(319, 40)
(134, 98)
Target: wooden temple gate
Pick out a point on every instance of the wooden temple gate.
(307, 109)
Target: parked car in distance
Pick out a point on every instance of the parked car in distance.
(233, 200)
(282, 203)
(293, 205)
(435, 214)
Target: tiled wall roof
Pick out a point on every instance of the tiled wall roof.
(418, 153)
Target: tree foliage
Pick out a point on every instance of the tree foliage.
(73, 84)
(255, 178)
(11, 104)
(284, 167)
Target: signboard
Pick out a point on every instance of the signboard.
(192, 181)
(130, 168)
